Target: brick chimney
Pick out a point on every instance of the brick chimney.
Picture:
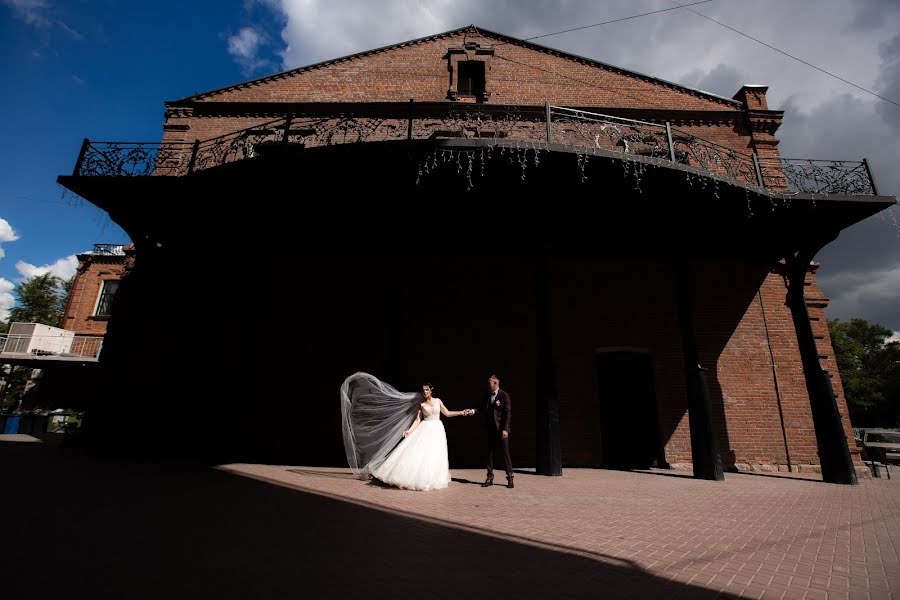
(753, 96)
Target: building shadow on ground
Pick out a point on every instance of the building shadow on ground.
(83, 526)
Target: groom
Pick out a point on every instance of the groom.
(497, 417)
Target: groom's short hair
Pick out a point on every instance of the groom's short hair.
(494, 377)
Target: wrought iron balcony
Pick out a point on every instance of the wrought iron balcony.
(502, 125)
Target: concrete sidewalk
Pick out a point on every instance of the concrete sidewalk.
(751, 536)
(78, 526)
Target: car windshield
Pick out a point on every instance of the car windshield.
(884, 437)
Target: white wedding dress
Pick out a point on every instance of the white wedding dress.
(419, 462)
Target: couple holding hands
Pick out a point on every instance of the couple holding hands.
(398, 438)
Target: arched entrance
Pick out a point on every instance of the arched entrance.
(629, 422)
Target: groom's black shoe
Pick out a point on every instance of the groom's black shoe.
(488, 482)
(509, 483)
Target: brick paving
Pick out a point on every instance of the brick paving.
(751, 536)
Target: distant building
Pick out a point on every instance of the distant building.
(63, 360)
(96, 282)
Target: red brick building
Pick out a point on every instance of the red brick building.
(97, 278)
(631, 256)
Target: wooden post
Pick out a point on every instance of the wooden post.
(547, 446)
(669, 141)
(871, 178)
(834, 452)
(548, 115)
(759, 177)
(704, 449)
(194, 151)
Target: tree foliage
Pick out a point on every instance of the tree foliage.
(870, 371)
(41, 299)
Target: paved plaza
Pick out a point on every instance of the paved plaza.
(752, 536)
(83, 526)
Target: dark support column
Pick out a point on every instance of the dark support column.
(704, 451)
(395, 292)
(834, 453)
(549, 456)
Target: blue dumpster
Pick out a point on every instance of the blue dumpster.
(12, 424)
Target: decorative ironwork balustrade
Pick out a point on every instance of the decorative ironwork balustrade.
(817, 176)
(532, 126)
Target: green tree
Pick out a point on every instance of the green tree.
(41, 299)
(16, 379)
(870, 371)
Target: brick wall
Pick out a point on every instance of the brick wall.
(517, 74)
(746, 340)
(92, 271)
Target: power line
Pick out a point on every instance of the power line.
(613, 91)
(808, 64)
(543, 35)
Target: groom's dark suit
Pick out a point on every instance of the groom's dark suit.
(497, 418)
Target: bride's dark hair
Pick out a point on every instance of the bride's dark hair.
(429, 386)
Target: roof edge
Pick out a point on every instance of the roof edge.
(471, 27)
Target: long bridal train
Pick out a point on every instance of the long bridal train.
(393, 436)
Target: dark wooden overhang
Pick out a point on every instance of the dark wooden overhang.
(351, 195)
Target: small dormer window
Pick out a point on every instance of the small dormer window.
(469, 67)
(470, 80)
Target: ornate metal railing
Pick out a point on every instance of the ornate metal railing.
(817, 176)
(546, 124)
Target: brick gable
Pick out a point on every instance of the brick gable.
(518, 73)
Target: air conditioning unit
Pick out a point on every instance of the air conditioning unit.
(37, 340)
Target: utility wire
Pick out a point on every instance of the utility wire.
(614, 21)
(758, 41)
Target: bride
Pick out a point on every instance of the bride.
(384, 440)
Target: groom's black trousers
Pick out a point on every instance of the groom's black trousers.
(495, 441)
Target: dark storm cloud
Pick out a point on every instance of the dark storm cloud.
(869, 14)
(849, 128)
(889, 81)
(723, 80)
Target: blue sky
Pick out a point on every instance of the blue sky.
(103, 68)
(91, 69)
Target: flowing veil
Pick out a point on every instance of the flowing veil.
(374, 416)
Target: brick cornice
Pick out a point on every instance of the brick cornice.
(765, 121)
(213, 109)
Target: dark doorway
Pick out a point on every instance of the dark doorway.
(629, 426)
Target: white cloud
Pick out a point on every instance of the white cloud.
(6, 235)
(76, 35)
(64, 268)
(317, 30)
(30, 11)
(244, 48)
(7, 300)
(39, 13)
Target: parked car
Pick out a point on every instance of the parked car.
(881, 444)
